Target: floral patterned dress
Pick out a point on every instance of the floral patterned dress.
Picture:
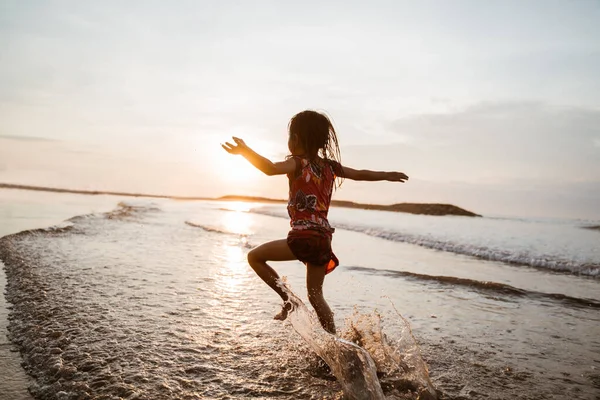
(311, 187)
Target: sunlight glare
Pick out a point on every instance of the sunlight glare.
(240, 206)
(236, 170)
(237, 222)
(235, 271)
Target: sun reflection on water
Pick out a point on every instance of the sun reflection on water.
(237, 222)
(237, 206)
(235, 270)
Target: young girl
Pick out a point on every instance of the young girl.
(312, 169)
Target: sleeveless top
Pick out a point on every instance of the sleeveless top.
(311, 187)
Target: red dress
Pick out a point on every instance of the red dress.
(311, 187)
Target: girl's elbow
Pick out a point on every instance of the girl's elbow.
(270, 171)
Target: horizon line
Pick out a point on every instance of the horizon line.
(412, 208)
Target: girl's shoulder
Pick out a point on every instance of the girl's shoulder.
(320, 163)
(335, 166)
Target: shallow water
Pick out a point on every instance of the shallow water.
(138, 303)
(550, 244)
(21, 210)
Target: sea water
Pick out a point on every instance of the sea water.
(154, 299)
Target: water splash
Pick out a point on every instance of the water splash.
(364, 360)
(352, 365)
(400, 367)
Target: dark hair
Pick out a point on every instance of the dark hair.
(316, 134)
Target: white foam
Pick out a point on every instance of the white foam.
(356, 367)
(532, 256)
(352, 365)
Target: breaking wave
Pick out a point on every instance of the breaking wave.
(540, 261)
(243, 237)
(210, 228)
(483, 286)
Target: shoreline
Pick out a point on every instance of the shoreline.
(435, 209)
(16, 381)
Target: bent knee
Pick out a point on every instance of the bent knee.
(253, 256)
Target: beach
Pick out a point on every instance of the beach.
(22, 210)
(153, 298)
(146, 148)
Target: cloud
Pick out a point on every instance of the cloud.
(522, 198)
(27, 138)
(519, 158)
(508, 141)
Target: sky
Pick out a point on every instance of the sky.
(493, 106)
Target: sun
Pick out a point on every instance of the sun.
(235, 170)
(233, 173)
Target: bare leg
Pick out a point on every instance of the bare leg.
(277, 250)
(315, 275)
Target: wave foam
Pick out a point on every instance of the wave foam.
(243, 237)
(500, 288)
(485, 253)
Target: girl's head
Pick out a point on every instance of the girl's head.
(312, 135)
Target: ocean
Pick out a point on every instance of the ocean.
(112, 297)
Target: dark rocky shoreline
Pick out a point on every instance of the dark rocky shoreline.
(412, 208)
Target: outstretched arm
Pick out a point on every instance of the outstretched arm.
(263, 164)
(368, 175)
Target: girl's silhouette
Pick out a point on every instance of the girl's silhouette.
(312, 169)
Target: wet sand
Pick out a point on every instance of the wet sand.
(15, 381)
(33, 212)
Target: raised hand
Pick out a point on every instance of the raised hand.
(397, 177)
(238, 148)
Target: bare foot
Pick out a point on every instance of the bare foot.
(287, 307)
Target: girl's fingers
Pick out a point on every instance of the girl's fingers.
(239, 141)
(233, 148)
(400, 177)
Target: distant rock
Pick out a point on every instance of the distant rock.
(594, 228)
(412, 208)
